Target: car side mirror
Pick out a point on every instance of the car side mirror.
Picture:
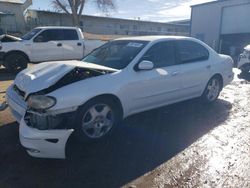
(145, 65)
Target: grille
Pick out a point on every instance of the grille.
(44, 122)
(18, 91)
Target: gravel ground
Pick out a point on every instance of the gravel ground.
(182, 145)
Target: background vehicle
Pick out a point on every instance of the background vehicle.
(41, 44)
(121, 78)
(244, 60)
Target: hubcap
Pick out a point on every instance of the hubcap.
(213, 89)
(97, 121)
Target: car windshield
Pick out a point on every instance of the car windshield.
(30, 34)
(116, 54)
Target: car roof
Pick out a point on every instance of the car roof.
(56, 27)
(154, 38)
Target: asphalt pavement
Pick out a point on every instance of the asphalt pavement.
(182, 145)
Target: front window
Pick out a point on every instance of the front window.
(116, 54)
(161, 54)
(30, 34)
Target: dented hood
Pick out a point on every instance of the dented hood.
(44, 75)
(9, 38)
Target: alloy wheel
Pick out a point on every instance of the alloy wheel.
(98, 121)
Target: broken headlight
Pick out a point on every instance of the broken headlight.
(41, 102)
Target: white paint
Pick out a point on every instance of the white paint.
(137, 90)
(34, 139)
(48, 51)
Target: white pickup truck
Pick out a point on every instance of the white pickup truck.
(41, 44)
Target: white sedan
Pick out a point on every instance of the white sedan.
(88, 98)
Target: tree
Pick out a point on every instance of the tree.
(75, 8)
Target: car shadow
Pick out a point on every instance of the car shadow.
(142, 143)
(245, 76)
(5, 75)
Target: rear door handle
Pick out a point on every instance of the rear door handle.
(174, 73)
(79, 44)
(59, 44)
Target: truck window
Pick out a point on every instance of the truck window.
(30, 34)
(49, 35)
(70, 34)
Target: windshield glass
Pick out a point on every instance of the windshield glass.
(116, 54)
(30, 34)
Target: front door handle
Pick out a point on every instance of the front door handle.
(79, 44)
(59, 44)
(174, 73)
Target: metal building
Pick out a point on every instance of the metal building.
(222, 24)
(12, 15)
(107, 25)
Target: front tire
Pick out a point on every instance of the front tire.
(212, 90)
(16, 62)
(96, 120)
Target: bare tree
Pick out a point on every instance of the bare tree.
(75, 7)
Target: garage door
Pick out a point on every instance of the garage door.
(235, 19)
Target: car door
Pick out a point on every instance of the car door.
(47, 46)
(195, 65)
(159, 86)
(72, 44)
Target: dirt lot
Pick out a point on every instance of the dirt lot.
(182, 145)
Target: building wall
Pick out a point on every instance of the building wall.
(15, 22)
(104, 25)
(206, 21)
(237, 22)
(13, 18)
(8, 23)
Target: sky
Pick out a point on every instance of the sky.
(150, 10)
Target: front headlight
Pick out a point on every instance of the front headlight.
(41, 102)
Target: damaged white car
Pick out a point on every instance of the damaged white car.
(123, 77)
(244, 60)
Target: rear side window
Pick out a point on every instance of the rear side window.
(70, 34)
(190, 51)
(161, 54)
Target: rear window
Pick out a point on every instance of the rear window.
(190, 51)
(70, 34)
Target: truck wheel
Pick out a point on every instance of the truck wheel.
(15, 62)
(96, 120)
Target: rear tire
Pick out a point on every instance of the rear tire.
(15, 62)
(212, 91)
(96, 120)
(244, 71)
(245, 68)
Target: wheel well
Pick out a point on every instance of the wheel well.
(112, 98)
(16, 52)
(220, 79)
(246, 65)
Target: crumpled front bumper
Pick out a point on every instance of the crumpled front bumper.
(44, 143)
(16, 104)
